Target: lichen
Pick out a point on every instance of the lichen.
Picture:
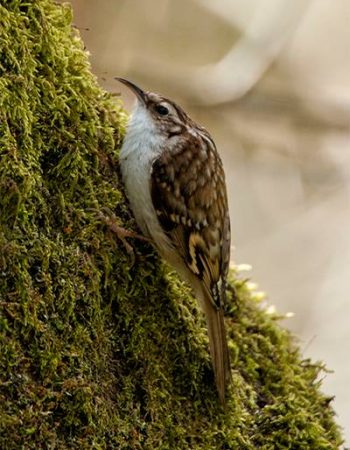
(99, 350)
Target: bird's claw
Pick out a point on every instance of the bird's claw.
(109, 218)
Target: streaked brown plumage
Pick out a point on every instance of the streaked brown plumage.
(185, 211)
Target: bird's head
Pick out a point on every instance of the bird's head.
(157, 114)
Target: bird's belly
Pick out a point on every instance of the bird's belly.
(137, 182)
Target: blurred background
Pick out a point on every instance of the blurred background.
(270, 79)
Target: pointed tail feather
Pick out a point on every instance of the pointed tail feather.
(218, 347)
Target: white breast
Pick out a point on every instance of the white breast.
(142, 145)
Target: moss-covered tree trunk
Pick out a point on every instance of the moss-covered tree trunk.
(98, 352)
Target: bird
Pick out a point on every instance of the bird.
(175, 183)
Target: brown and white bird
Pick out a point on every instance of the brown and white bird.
(175, 183)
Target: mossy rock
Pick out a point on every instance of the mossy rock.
(100, 350)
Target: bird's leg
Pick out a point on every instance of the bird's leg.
(108, 217)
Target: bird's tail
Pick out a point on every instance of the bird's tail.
(218, 346)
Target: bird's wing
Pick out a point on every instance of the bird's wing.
(189, 196)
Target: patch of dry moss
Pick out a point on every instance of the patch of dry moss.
(97, 353)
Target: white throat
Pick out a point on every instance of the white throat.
(142, 145)
(142, 132)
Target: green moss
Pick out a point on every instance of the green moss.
(98, 352)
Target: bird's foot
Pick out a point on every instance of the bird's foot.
(109, 218)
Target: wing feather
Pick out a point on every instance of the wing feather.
(189, 196)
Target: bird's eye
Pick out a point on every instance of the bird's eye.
(162, 110)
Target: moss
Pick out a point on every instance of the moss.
(96, 351)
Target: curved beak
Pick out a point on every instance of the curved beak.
(140, 94)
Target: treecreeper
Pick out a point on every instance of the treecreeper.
(175, 183)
